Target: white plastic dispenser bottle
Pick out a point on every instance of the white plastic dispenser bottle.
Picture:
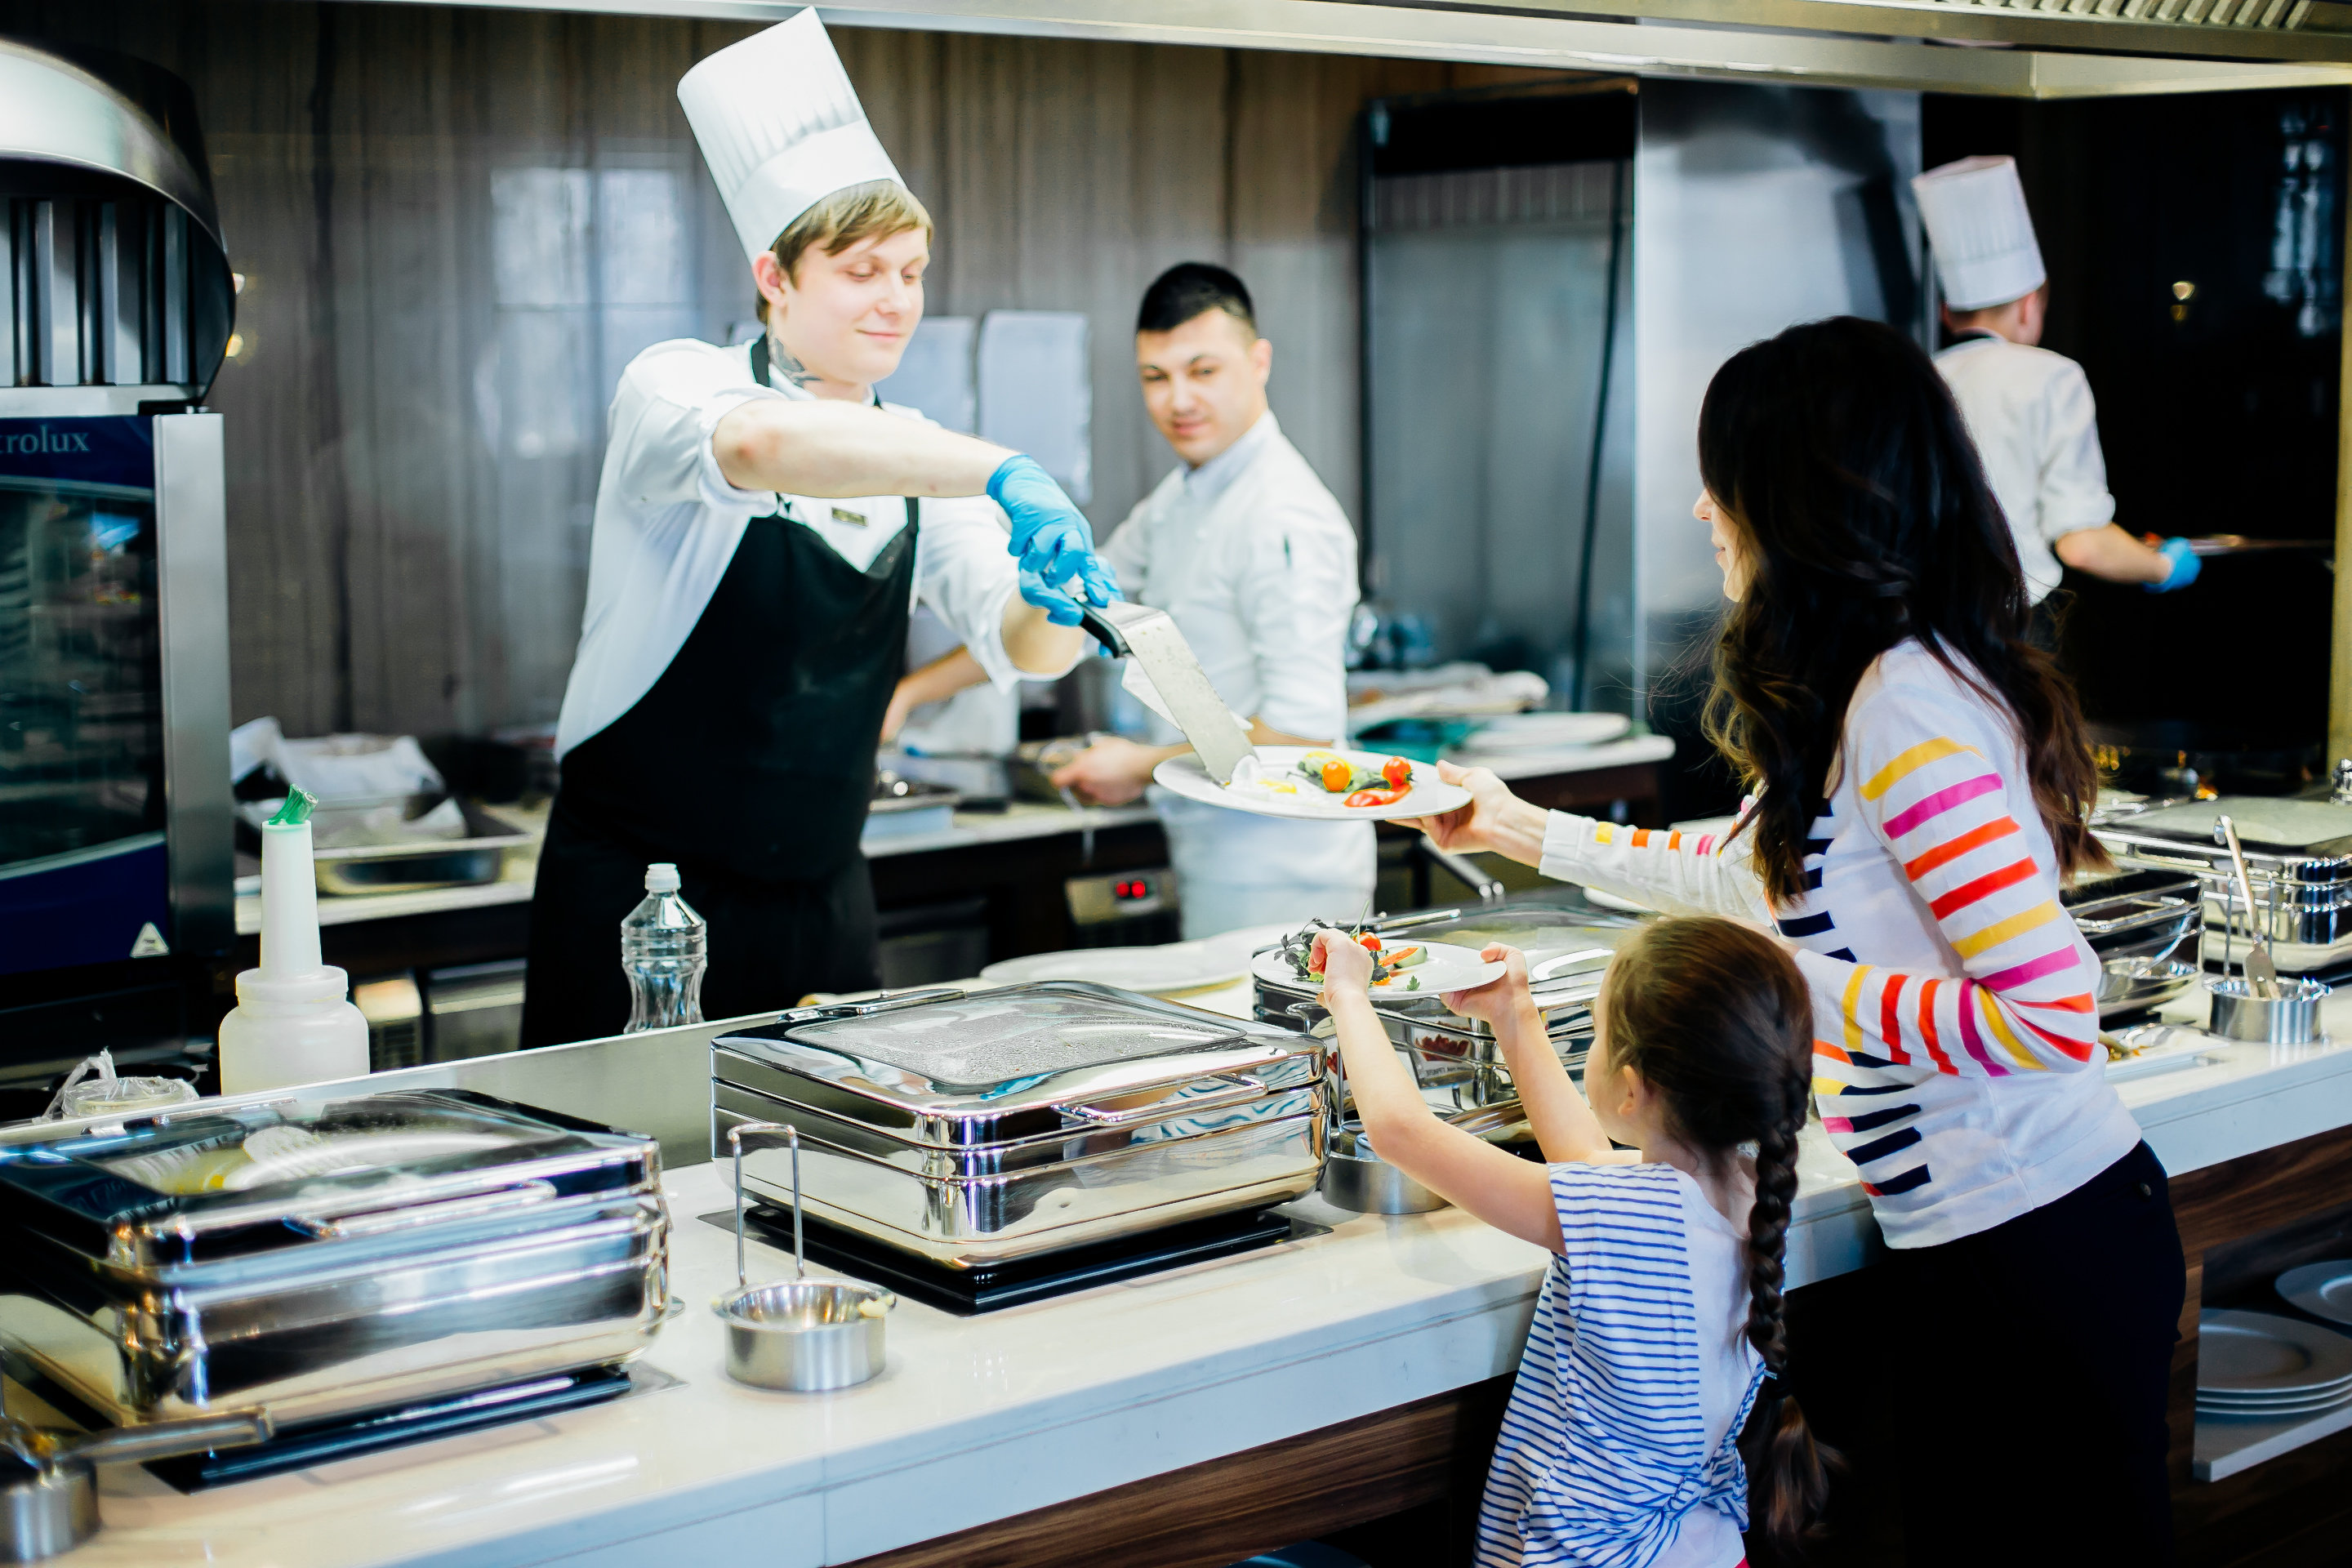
(662, 953)
(294, 1022)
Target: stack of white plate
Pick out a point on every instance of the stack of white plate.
(2263, 1367)
(1546, 731)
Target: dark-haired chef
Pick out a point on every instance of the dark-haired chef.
(2029, 411)
(763, 527)
(1250, 556)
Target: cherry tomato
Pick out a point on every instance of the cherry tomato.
(1371, 942)
(1336, 774)
(1374, 798)
(1398, 772)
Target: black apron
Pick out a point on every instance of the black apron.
(750, 765)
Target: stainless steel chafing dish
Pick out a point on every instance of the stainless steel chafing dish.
(2143, 927)
(1455, 1060)
(2298, 857)
(971, 1130)
(327, 1257)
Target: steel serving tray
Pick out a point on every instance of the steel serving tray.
(491, 1244)
(2298, 857)
(970, 1130)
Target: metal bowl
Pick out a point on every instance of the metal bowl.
(1356, 1178)
(805, 1335)
(2137, 984)
(2290, 1018)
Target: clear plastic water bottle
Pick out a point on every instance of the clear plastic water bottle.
(663, 953)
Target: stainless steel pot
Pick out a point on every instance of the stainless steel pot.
(48, 1481)
(2289, 1018)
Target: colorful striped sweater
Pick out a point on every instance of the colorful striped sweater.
(1955, 1053)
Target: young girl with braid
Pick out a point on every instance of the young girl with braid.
(1660, 1317)
(1921, 783)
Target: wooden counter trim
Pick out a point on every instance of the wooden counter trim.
(1212, 1514)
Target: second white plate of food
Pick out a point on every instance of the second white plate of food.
(1282, 788)
(1442, 967)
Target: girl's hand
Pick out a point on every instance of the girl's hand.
(1499, 1001)
(1347, 967)
(1494, 820)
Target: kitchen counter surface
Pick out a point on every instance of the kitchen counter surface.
(978, 1419)
(1022, 820)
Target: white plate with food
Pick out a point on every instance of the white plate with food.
(1402, 966)
(1298, 782)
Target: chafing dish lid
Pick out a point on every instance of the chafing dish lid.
(2308, 828)
(1021, 1047)
(197, 1181)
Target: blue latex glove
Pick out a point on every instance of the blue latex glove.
(2185, 564)
(1051, 537)
(1063, 606)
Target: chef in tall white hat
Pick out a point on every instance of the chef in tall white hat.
(765, 525)
(2030, 410)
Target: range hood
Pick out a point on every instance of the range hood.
(2028, 49)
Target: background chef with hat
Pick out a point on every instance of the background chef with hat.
(763, 527)
(2029, 410)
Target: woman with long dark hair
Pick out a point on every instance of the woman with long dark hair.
(1920, 783)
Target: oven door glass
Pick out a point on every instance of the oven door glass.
(84, 878)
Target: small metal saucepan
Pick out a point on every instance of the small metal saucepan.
(2291, 1017)
(48, 1482)
(802, 1335)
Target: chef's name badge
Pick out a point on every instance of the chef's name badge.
(854, 519)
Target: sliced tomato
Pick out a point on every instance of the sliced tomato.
(1337, 774)
(1398, 772)
(1374, 798)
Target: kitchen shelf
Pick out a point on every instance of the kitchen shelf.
(2226, 1446)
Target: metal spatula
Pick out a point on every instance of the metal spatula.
(1151, 639)
(2262, 974)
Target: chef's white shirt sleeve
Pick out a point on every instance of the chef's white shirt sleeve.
(2073, 491)
(670, 400)
(965, 570)
(1296, 591)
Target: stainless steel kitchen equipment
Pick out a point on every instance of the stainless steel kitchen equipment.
(326, 1257)
(903, 807)
(1354, 1176)
(2136, 922)
(1456, 1059)
(2298, 858)
(801, 1335)
(2289, 1017)
(973, 1129)
(48, 1481)
(1151, 637)
(478, 856)
(2261, 974)
(116, 304)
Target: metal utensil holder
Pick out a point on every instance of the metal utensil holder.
(2289, 1018)
(800, 1335)
(1354, 1176)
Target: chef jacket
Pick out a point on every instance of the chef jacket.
(2036, 430)
(1253, 559)
(667, 523)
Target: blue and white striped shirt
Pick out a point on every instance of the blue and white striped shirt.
(1614, 1451)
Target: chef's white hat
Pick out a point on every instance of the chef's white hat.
(781, 127)
(1976, 218)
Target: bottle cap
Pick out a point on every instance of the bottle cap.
(661, 877)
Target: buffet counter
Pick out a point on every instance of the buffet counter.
(980, 1420)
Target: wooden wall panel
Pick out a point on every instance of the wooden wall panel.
(414, 424)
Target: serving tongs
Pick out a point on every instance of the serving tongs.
(800, 1335)
(2262, 974)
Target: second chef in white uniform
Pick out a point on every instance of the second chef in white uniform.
(1252, 557)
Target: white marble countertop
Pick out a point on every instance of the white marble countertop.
(976, 1419)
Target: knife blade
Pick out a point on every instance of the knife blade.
(1150, 638)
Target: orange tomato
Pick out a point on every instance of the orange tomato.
(1336, 774)
(1371, 942)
